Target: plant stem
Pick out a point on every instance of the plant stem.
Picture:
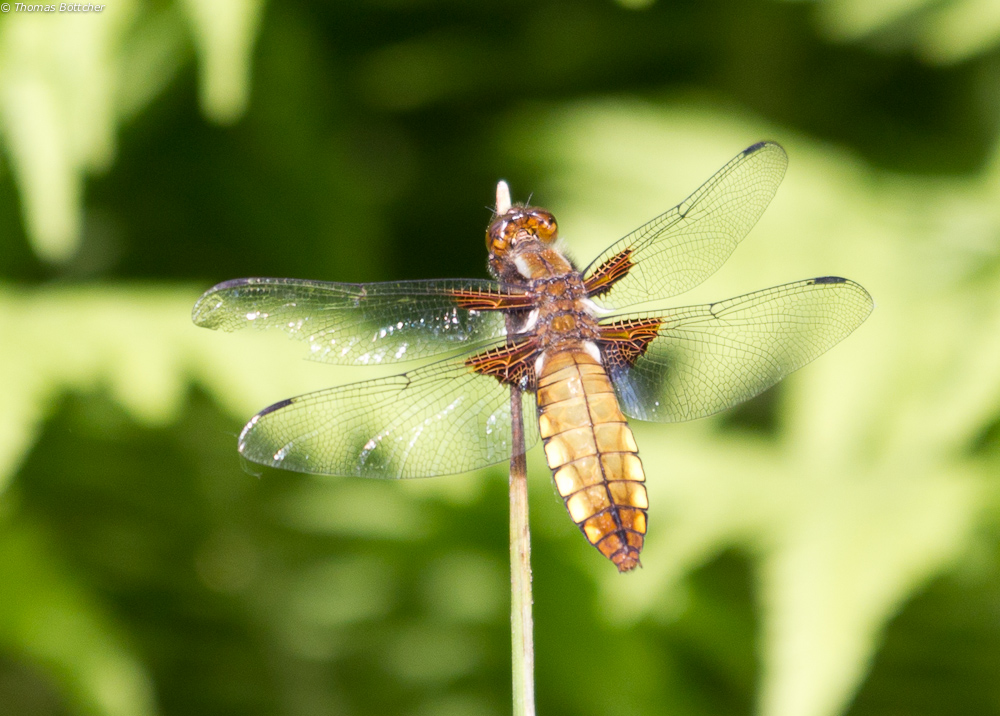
(521, 623)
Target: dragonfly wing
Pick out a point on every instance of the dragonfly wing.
(362, 324)
(687, 363)
(438, 419)
(678, 250)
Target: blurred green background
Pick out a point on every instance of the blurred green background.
(829, 548)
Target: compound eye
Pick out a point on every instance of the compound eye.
(496, 239)
(546, 228)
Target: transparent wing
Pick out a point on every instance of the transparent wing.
(359, 323)
(678, 250)
(439, 419)
(708, 358)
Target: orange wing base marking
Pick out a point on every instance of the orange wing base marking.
(511, 364)
(626, 341)
(609, 273)
(485, 301)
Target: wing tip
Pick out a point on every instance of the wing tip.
(252, 423)
(204, 309)
(256, 451)
(858, 289)
(777, 152)
(763, 144)
(841, 280)
(205, 313)
(271, 408)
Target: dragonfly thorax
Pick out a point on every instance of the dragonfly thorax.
(563, 315)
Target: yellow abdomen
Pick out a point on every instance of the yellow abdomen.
(592, 454)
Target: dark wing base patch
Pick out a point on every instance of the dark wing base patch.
(608, 273)
(624, 342)
(511, 364)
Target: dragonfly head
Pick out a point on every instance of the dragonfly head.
(518, 226)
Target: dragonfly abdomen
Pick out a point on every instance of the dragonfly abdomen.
(592, 454)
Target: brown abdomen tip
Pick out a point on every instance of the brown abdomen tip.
(626, 560)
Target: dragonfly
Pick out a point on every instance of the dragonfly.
(589, 349)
